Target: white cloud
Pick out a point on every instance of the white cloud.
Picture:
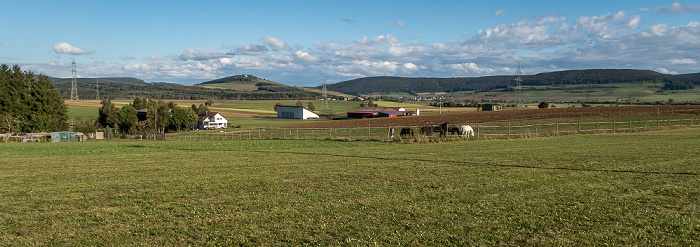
(65, 48)
(201, 54)
(683, 61)
(251, 50)
(346, 20)
(397, 23)
(500, 13)
(675, 9)
(666, 71)
(276, 43)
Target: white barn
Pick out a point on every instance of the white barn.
(212, 120)
(295, 112)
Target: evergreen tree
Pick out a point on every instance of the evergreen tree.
(311, 106)
(29, 102)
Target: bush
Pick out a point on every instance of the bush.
(543, 104)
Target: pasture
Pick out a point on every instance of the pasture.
(640, 188)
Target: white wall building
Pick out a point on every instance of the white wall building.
(212, 120)
(295, 112)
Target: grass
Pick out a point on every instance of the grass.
(625, 189)
(82, 112)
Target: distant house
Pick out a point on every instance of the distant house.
(491, 107)
(295, 112)
(211, 120)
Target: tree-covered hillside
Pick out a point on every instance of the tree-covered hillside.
(387, 85)
(129, 88)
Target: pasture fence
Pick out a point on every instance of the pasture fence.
(497, 130)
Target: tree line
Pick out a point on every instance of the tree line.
(29, 102)
(143, 116)
(386, 84)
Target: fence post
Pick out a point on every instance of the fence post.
(557, 124)
(597, 127)
(614, 127)
(630, 125)
(330, 133)
(297, 132)
(477, 131)
(579, 127)
(369, 131)
(508, 130)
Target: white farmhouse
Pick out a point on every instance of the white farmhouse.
(212, 120)
(295, 112)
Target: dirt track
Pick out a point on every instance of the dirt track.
(509, 115)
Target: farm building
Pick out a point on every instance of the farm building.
(491, 107)
(370, 112)
(362, 114)
(295, 112)
(211, 120)
(390, 114)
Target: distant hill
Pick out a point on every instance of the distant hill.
(249, 83)
(386, 85)
(229, 88)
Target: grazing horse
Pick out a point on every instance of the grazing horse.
(426, 130)
(406, 132)
(466, 131)
(453, 130)
(443, 129)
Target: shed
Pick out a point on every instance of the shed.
(491, 107)
(362, 114)
(390, 114)
(63, 136)
(295, 112)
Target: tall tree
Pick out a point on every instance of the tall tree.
(108, 114)
(127, 118)
(140, 103)
(31, 102)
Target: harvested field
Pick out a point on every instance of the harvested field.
(511, 115)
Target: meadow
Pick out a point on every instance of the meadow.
(640, 188)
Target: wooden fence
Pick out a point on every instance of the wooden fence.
(502, 130)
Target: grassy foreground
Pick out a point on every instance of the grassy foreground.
(619, 189)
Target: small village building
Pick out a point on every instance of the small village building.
(211, 120)
(491, 107)
(295, 112)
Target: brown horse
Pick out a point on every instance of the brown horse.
(406, 132)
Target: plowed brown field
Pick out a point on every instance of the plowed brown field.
(509, 115)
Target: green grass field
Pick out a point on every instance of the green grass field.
(76, 113)
(639, 188)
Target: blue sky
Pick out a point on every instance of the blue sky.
(301, 42)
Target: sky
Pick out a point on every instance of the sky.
(304, 42)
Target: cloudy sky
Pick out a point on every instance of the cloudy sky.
(301, 42)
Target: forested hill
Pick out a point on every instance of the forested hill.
(128, 88)
(371, 85)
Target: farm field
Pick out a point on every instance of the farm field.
(638, 188)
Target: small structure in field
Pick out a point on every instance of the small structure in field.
(491, 107)
(211, 120)
(295, 112)
(371, 112)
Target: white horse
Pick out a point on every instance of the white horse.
(466, 131)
